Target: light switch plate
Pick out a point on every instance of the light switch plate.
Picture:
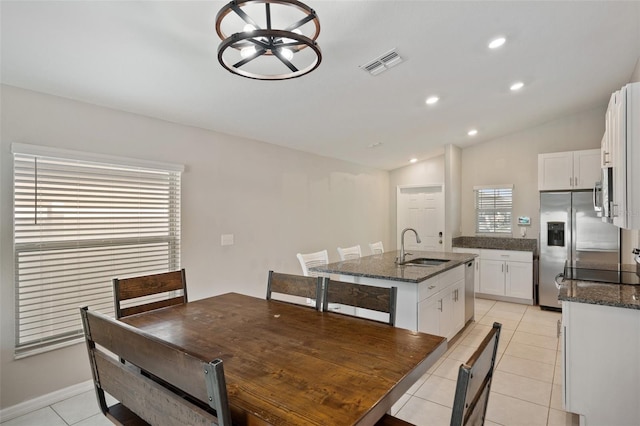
(226, 239)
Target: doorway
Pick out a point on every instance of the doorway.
(421, 207)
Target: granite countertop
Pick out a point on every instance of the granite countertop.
(595, 293)
(497, 243)
(383, 266)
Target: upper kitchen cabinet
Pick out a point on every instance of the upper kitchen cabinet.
(621, 158)
(569, 170)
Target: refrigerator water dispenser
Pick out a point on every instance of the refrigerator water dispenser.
(555, 234)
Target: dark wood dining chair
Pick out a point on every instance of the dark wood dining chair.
(163, 285)
(472, 388)
(295, 285)
(381, 299)
(158, 399)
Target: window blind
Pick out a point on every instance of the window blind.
(493, 210)
(77, 225)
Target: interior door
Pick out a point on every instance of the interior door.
(421, 208)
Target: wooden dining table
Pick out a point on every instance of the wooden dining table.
(287, 364)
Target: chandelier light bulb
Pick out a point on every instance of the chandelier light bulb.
(472, 132)
(245, 52)
(248, 28)
(287, 53)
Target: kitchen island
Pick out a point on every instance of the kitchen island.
(430, 299)
(601, 347)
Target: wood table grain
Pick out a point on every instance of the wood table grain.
(292, 365)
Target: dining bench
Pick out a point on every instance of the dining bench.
(158, 384)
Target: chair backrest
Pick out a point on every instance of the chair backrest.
(295, 285)
(376, 248)
(474, 382)
(162, 285)
(381, 299)
(349, 253)
(150, 400)
(312, 259)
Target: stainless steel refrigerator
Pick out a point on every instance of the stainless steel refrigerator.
(570, 231)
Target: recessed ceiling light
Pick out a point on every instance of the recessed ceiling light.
(495, 43)
(413, 160)
(472, 132)
(517, 86)
(432, 100)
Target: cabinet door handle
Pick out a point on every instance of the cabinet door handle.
(502, 270)
(507, 269)
(570, 181)
(431, 287)
(440, 307)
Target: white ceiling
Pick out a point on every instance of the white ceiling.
(158, 58)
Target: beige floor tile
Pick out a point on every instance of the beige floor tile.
(506, 410)
(507, 324)
(439, 390)
(78, 408)
(475, 336)
(521, 387)
(527, 368)
(421, 412)
(559, 355)
(484, 303)
(45, 416)
(534, 353)
(535, 340)
(536, 328)
(557, 375)
(462, 353)
(556, 396)
(97, 420)
(490, 423)
(500, 313)
(505, 339)
(562, 418)
(448, 369)
(511, 307)
(400, 403)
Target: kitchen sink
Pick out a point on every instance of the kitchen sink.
(424, 261)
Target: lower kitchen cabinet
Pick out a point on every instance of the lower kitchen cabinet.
(441, 311)
(601, 349)
(506, 275)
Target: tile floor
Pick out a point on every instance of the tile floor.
(526, 388)
(527, 383)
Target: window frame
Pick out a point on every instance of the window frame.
(500, 206)
(60, 240)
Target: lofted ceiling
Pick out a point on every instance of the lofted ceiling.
(158, 59)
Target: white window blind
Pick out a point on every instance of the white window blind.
(493, 209)
(77, 225)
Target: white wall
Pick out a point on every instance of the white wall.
(453, 192)
(276, 202)
(513, 159)
(635, 77)
(429, 171)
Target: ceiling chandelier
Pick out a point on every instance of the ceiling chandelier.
(270, 39)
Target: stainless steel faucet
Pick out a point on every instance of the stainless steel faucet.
(402, 253)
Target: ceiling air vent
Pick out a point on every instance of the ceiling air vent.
(382, 63)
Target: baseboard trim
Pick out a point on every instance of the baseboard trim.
(44, 401)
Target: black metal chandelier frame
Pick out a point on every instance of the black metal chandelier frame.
(268, 41)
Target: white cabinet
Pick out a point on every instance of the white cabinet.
(507, 274)
(441, 305)
(601, 349)
(476, 276)
(621, 152)
(569, 170)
